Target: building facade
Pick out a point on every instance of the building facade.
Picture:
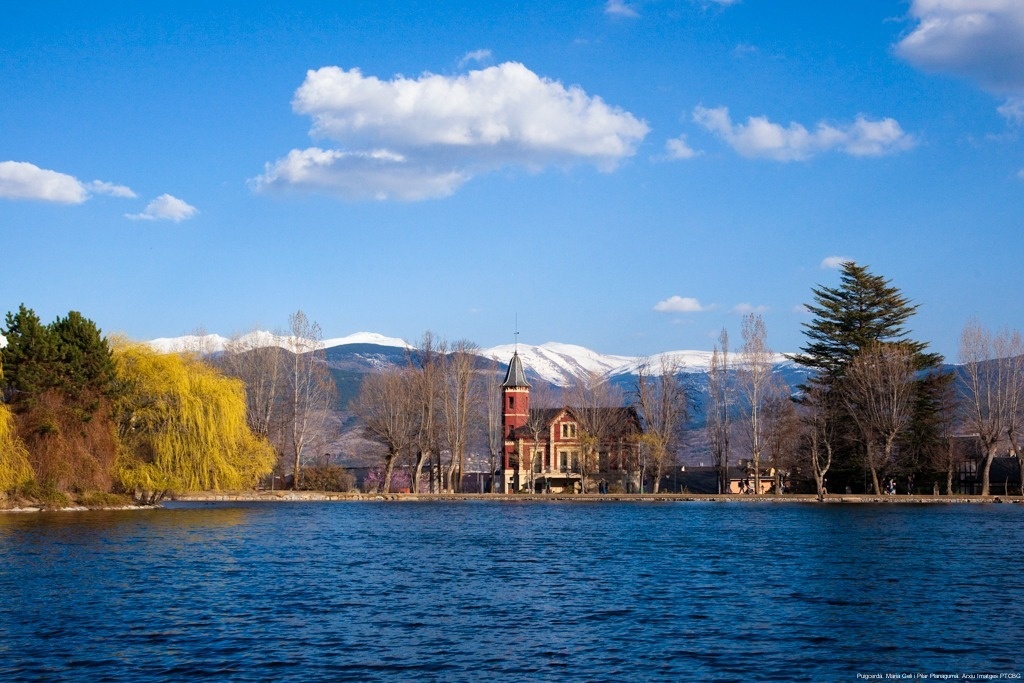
(549, 450)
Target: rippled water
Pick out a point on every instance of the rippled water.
(526, 591)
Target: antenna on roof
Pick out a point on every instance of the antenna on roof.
(517, 333)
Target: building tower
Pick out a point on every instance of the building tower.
(515, 409)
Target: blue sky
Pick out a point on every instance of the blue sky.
(628, 176)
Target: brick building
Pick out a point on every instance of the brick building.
(545, 449)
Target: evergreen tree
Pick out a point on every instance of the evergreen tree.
(865, 309)
(29, 357)
(83, 354)
(59, 381)
(863, 312)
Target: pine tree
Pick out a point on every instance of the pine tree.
(83, 354)
(865, 309)
(59, 381)
(29, 359)
(864, 312)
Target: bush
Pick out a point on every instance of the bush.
(99, 499)
(46, 494)
(326, 478)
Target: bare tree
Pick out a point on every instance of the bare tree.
(818, 414)
(260, 365)
(1009, 349)
(427, 370)
(754, 376)
(987, 392)
(782, 430)
(879, 392)
(946, 409)
(389, 410)
(310, 388)
(492, 390)
(597, 406)
(460, 405)
(719, 409)
(662, 403)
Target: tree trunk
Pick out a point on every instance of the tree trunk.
(949, 471)
(986, 466)
(874, 469)
(389, 468)
(417, 472)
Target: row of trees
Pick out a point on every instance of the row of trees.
(427, 412)
(82, 414)
(290, 393)
(876, 402)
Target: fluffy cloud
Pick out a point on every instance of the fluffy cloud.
(680, 304)
(982, 40)
(165, 208)
(620, 8)
(678, 148)
(22, 180)
(759, 137)
(419, 138)
(834, 262)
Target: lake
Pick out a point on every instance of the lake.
(470, 591)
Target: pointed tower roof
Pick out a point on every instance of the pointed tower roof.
(516, 376)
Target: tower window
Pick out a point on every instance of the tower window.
(511, 402)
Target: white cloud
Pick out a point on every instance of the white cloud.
(761, 138)
(620, 8)
(100, 187)
(982, 40)
(744, 309)
(477, 56)
(165, 208)
(359, 175)
(834, 262)
(1013, 110)
(443, 130)
(22, 180)
(680, 304)
(678, 148)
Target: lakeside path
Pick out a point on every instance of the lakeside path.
(316, 496)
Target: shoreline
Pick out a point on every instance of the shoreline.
(337, 497)
(320, 496)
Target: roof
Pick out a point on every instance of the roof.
(516, 376)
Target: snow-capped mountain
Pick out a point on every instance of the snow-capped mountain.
(215, 343)
(560, 364)
(553, 362)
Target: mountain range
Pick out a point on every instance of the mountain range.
(554, 363)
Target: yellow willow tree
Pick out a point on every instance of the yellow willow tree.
(182, 427)
(15, 470)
